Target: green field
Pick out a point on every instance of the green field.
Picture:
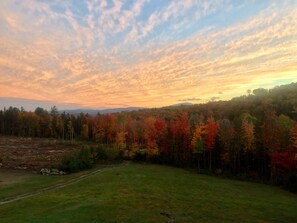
(139, 193)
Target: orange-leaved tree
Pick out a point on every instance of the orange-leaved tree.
(211, 131)
(197, 143)
(150, 135)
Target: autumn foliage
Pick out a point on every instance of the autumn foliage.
(254, 135)
(211, 130)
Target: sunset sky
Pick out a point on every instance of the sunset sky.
(145, 53)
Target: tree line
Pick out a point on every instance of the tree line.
(252, 136)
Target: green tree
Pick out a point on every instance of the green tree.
(70, 130)
(285, 123)
(85, 131)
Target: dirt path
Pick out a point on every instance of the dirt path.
(57, 186)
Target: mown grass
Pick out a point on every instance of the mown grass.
(16, 182)
(138, 193)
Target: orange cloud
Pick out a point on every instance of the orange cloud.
(73, 65)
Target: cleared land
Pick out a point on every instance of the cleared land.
(32, 153)
(139, 193)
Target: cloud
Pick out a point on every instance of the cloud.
(176, 11)
(107, 57)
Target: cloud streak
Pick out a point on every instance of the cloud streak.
(109, 53)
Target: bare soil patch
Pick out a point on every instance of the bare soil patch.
(32, 153)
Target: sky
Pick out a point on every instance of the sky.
(143, 53)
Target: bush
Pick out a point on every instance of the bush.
(103, 153)
(113, 154)
(84, 159)
(75, 162)
(87, 156)
(100, 153)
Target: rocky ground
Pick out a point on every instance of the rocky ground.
(32, 153)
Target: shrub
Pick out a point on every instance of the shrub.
(77, 161)
(68, 164)
(113, 154)
(100, 153)
(104, 153)
(87, 156)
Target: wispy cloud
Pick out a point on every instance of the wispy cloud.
(138, 53)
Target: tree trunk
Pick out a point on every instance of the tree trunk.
(210, 160)
(198, 162)
(204, 160)
(239, 164)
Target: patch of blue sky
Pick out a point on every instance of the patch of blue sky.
(110, 5)
(184, 26)
(58, 8)
(224, 19)
(79, 11)
(152, 7)
(79, 8)
(235, 15)
(128, 4)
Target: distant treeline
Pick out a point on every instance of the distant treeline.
(250, 136)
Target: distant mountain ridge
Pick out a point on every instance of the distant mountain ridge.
(112, 110)
(74, 109)
(181, 104)
(100, 111)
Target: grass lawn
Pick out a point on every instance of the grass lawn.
(139, 192)
(16, 182)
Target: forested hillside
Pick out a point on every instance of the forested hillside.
(252, 136)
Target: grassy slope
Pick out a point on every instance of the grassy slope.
(138, 193)
(13, 182)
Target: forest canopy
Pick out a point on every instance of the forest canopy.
(254, 135)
